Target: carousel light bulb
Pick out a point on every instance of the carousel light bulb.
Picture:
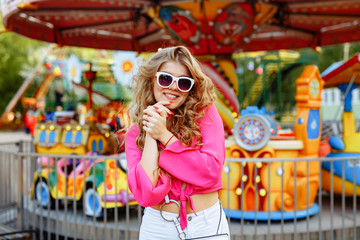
(11, 116)
(262, 192)
(238, 191)
(235, 154)
(259, 165)
(257, 179)
(78, 128)
(42, 127)
(68, 128)
(244, 178)
(52, 127)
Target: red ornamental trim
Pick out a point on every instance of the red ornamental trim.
(233, 23)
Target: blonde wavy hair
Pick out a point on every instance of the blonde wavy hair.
(184, 123)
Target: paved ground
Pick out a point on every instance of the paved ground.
(13, 136)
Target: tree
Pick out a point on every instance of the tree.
(329, 55)
(18, 56)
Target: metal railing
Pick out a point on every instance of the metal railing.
(62, 218)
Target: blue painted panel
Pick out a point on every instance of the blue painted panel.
(52, 136)
(68, 137)
(101, 145)
(42, 136)
(313, 126)
(93, 146)
(78, 137)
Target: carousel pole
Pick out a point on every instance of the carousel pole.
(90, 76)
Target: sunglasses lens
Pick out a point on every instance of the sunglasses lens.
(184, 84)
(165, 80)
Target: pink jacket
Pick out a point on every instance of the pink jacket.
(200, 166)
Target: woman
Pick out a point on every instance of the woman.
(176, 148)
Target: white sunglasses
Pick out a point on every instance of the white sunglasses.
(165, 80)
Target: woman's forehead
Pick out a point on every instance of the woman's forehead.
(175, 68)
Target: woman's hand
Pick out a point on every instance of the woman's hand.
(154, 121)
(162, 109)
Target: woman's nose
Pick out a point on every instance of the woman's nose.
(173, 86)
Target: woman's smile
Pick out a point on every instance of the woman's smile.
(171, 96)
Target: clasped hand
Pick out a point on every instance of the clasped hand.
(154, 120)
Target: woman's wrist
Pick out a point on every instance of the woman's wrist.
(168, 141)
(166, 138)
(149, 138)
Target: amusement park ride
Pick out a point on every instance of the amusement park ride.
(345, 76)
(78, 179)
(251, 189)
(212, 30)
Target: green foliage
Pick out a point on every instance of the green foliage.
(354, 49)
(280, 95)
(329, 55)
(336, 53)
(281, 69)
(18, 57)
(87, 53)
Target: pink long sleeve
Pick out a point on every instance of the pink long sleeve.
(199, 166)
(139, 183)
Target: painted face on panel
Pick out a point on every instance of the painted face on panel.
(178, 76)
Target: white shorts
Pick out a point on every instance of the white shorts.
(154, 227)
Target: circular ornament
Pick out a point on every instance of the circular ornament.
(252, 132)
